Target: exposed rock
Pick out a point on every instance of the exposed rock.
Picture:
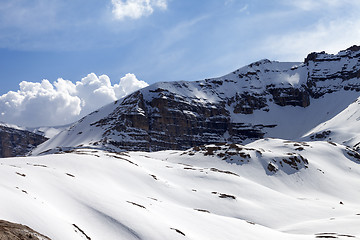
(272, 168)
(290, 96)
(354, 48)
(165, 123)
(15, 142)
(354, 154)
(344, 67)
(14, 231)
(246, 103)
(321, 135)
(296, 161)
(224, 195)
(311, 57)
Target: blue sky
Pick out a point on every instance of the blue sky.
(163, 40)
(185, 40)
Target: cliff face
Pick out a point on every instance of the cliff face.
(252, 102)
(15, 142)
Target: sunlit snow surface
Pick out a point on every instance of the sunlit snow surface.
(343, 128)
(213, 192)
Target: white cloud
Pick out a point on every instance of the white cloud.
(136, 8)
(47, 104)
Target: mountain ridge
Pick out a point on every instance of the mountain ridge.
(250, 103)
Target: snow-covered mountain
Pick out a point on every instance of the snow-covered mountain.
(269, 189)
(263, 99)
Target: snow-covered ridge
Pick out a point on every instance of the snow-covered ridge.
(258, 76)
(264, 99)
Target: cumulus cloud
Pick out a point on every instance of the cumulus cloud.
(62, 102)
(136, 8)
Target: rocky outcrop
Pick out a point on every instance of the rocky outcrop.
(290, 96)
(246, 103)
(164, 123)
(15, 142)
(170, 121)
(329, 73)
(14, 231)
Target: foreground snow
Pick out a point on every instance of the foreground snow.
(269, 189)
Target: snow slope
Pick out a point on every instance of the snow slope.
(344, 128)
(269, 189)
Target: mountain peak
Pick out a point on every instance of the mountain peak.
(260, 62)
(264, 99)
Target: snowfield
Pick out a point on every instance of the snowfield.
(269, 189)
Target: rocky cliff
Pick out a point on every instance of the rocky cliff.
(264, 99)
(16, 142)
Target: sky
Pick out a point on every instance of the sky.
(72, 56)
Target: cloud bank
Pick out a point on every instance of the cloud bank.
(62, 102)
(136, 8)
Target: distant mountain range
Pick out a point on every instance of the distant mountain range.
(264, 99)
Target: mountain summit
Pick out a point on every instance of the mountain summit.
(264, 99)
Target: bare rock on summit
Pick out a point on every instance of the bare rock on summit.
(14, 231)
(354, 48)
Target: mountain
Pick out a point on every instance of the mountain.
(17, 142)
(268, 189)
(263, 99)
